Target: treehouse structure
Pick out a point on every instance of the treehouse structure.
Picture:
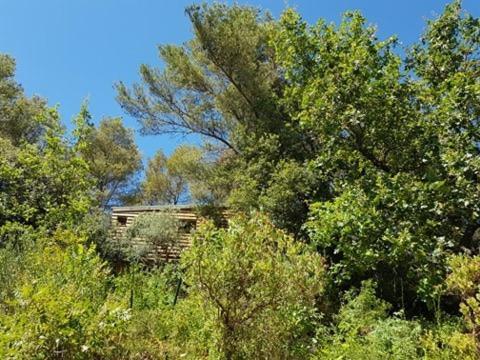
(189, 216)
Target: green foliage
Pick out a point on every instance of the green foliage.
(464, 281)
(394, 230)
(96, 228)
(213, 83)
(448, 341)
(448, 47)
(363, 330)
(111, 154)
(391, 338)
(360, 313)
(155, 234)
(11, 266)
(54, 301)
(398, 150)
(158, 328)
(21, 119)
(42, 187)
(167, 179)
(259, 285)
(60, 306)
(286, 199)
(154, 287)
(224, 85)
(368, 157)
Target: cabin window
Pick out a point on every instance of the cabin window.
(187, 226)
(122, 220)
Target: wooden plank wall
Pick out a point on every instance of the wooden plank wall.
(124, 217)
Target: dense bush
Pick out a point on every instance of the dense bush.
(363, 330)
(61, 307)
(464, 281)
(258, 286)
(43, 186)
(157, 233)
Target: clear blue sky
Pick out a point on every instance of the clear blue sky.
(68, 50)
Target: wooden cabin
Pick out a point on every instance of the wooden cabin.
(188, 215)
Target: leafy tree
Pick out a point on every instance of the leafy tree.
(332, 116)
(21, 118)
(156, 187)
(112, 156)
(370, 156)
(398, 147)
(260, 284)
(225, 85)
(167, 179)
(219, 66)
(42, 186)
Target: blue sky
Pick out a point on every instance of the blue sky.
(69, 50)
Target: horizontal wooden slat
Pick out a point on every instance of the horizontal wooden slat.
(185, 213)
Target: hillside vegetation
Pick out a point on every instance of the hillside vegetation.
(352, 166)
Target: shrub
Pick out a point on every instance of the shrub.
(464, 281)
(156, 234)
(363, 330)
(448, 340)
(151, 294)
(256, 288)
(61, 307)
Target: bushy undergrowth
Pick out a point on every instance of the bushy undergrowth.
(60, 306)
(229, 299)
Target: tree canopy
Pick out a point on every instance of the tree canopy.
(167, 179)
(20, 118)
(111, 154)
(369, 154)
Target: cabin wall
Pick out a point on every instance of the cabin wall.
(123, 218)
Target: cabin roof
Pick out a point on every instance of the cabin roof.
(185, 208)
(152, 208)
